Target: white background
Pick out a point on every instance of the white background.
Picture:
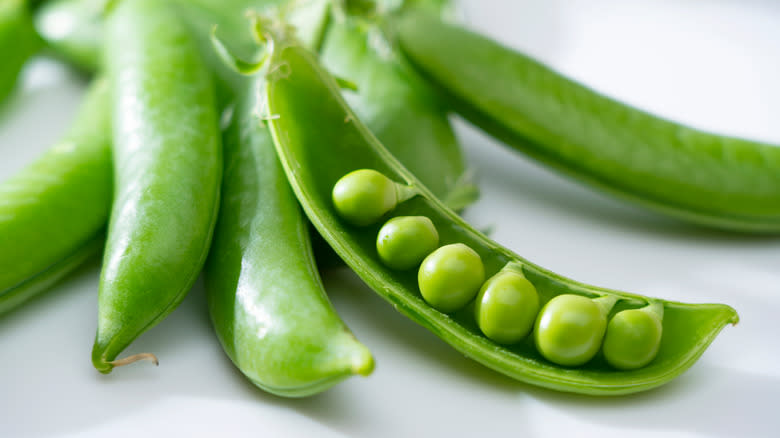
(710, 64)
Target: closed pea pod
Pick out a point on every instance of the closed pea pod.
(317, 148)
(266, 300)
(70, 184)
(168, 165)
(18, 42)
(72, 30)
(701, 177)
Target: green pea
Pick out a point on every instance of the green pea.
(633, 337)
(450, 277)
(403, 242)
(506, 307)
(363, 196)
(570, 328)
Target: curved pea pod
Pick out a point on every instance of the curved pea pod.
(53, 213)
(398, 107)
(167, 167)
(712, 180)
(18, 41)
(266, 300)
(319, 140)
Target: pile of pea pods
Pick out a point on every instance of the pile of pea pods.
(233, 138)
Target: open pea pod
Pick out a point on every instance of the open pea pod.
(319, 140)
(701, 177)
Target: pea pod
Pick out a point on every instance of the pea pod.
(70, 186)
(705, 178)
(319, 139)
(72, 29)
(168, 166)
(266, 299)
(398, 106)
(18, 41)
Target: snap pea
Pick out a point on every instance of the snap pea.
(319, 139)
(70, 186)
(705, 178)
(168, 164)
(72, 30)
(266, 300)
(398, 106)
(18, 41)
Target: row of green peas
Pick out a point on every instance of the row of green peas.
(569, 330)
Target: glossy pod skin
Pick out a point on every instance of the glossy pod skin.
(697, 176)
(168, 165)
(398, 106)
(18, 41)
(261, 276)
(317, 147)
(70, 186)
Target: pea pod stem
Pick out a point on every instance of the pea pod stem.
(656, 308)
(134, 358)
(606, 303)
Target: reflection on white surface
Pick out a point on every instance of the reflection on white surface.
(711, 64)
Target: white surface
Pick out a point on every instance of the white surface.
(711, 64)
